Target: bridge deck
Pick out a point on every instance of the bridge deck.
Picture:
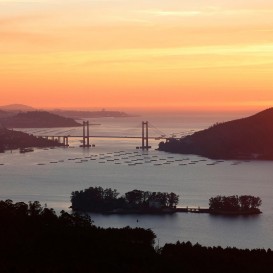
(126, 137)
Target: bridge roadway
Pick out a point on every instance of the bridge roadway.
(128, 137)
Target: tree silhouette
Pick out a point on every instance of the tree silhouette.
(234, 203)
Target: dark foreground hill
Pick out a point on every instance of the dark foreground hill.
(34, 239)
(10, 139)
(38, 119)
(246, 138)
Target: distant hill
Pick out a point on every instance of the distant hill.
(17, 107)
(38, 119)
(90, 114)
(4, 114)
(248, 138)
(10, 139)
(13, 109)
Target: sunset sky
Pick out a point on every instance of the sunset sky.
(171, 54)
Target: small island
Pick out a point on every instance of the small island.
(108, 201)
(99, 200)
(235, 205)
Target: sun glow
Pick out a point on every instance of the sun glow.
(149, 55)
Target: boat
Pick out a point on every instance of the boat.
(26, 150)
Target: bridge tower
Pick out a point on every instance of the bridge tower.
(85, 136)
(65, 141)
(145, 136)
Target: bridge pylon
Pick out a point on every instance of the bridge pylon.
(65, 141)
(85, 135)
(145, 136)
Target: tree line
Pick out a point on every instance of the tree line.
(36, 239)
(97, 199)
(235, 203)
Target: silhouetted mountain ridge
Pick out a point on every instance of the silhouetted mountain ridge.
(250, 137)
(38, 119)
(4, 114)
(17, 107)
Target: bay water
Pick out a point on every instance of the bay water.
(50, 175)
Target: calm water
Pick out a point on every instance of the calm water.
(50, 175)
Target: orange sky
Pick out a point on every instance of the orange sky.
(137, 54)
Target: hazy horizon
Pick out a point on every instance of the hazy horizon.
(141, 110)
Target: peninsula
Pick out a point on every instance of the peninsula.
(246, 138)
(10, 140)
(37, 119)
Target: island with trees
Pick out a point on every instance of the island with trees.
(109, 201)
(235, 205)
(11, 140)
(246, 138)
(97, 199)
(34, 238)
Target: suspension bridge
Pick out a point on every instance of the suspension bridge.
(86, 136)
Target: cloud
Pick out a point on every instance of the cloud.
(189, 13)
(210, 11)
(57, 1)
(264, 30)
(187, 57)
(19, 19)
